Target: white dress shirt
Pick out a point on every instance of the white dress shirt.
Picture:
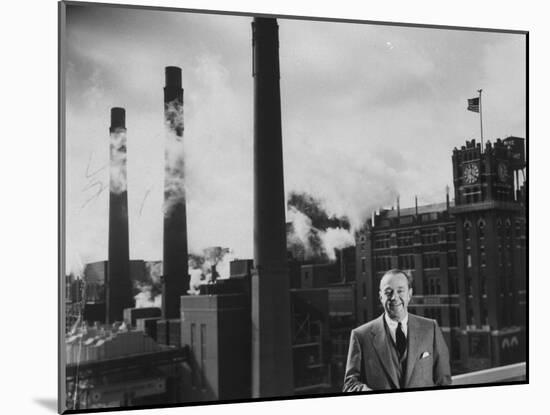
(392, 325)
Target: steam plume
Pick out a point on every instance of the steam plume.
(149, 292)
(200, 266)
(118, 182)
(315, 236)
(174, 170)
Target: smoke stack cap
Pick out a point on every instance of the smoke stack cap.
(173, 76)
(118, 117)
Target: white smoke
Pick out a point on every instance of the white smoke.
(196, 280)
(336, 238)
(145, 298)
(118, 182)
(174, 167)
(300, 232)
(223, 266)
(316, 242)
(76, 265)
(174, 117)
(219, 258)
(154, 271)
(201, 266)
(150, 290)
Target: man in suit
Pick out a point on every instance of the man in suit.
(396, 350)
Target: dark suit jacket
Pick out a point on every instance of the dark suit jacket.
(369, 362)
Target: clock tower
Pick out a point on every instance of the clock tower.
(491, 254)
(485, 176)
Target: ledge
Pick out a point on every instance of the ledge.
(510, 373)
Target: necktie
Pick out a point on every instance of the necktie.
(400, 340)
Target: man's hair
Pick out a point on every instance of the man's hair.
(395, 271)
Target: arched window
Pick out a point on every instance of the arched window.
(467, 230)
(481, 224)
(508, 228)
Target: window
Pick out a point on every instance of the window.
(426, 217)
(485, 313)
(363, 265)
(383, 263)
(451, 259)
(430, 236)
(469, 288)
(467, 227)
(470, 316)
(405, 220)
(432, 286)
(382, 241)
(453, 285)
(405, 238)
(431, 260)
(451, 233)
(481, 228)
(406, 261)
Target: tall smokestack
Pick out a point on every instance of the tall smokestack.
(175, 268)
(118, 284)
(271, 342)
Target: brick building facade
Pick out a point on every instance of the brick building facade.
(467, 257)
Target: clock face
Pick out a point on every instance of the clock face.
(470, 173)
(502, 171)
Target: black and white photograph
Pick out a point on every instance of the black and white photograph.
(259, 206)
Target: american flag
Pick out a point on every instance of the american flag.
(473, 104)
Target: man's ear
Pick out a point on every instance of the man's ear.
(410, 292)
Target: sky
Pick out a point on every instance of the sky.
(369, 112)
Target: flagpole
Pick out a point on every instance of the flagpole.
(480, 119)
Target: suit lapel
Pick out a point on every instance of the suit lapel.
(381, 343)
(414, 339)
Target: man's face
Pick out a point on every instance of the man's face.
(395, 295)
